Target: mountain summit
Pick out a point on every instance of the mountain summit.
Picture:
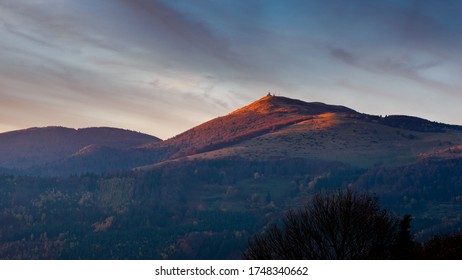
(271, 104)
(265, 115)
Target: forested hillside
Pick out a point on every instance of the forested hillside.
(202, 209)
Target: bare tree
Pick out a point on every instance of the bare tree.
(443, 247)
(340, 225)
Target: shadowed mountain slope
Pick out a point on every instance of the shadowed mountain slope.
(38, 146)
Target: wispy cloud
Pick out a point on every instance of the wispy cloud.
(344, 56)
(163, 66)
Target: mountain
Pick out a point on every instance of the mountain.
(271, 127)
(263, 116)
(280, 127)
(203, 193)
(40, 148)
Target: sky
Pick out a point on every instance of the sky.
(162, 67)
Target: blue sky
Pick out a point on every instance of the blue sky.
(161, 67)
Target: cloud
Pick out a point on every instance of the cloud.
(344, 56)
(79, 54)
(168, 65)
(415, 68)
(405, 67)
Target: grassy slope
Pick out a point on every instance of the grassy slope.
(336, 137)
(263, 116)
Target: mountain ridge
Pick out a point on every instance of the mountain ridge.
(270, 127)
(22, 149)
(278, 127)
(274, 104)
